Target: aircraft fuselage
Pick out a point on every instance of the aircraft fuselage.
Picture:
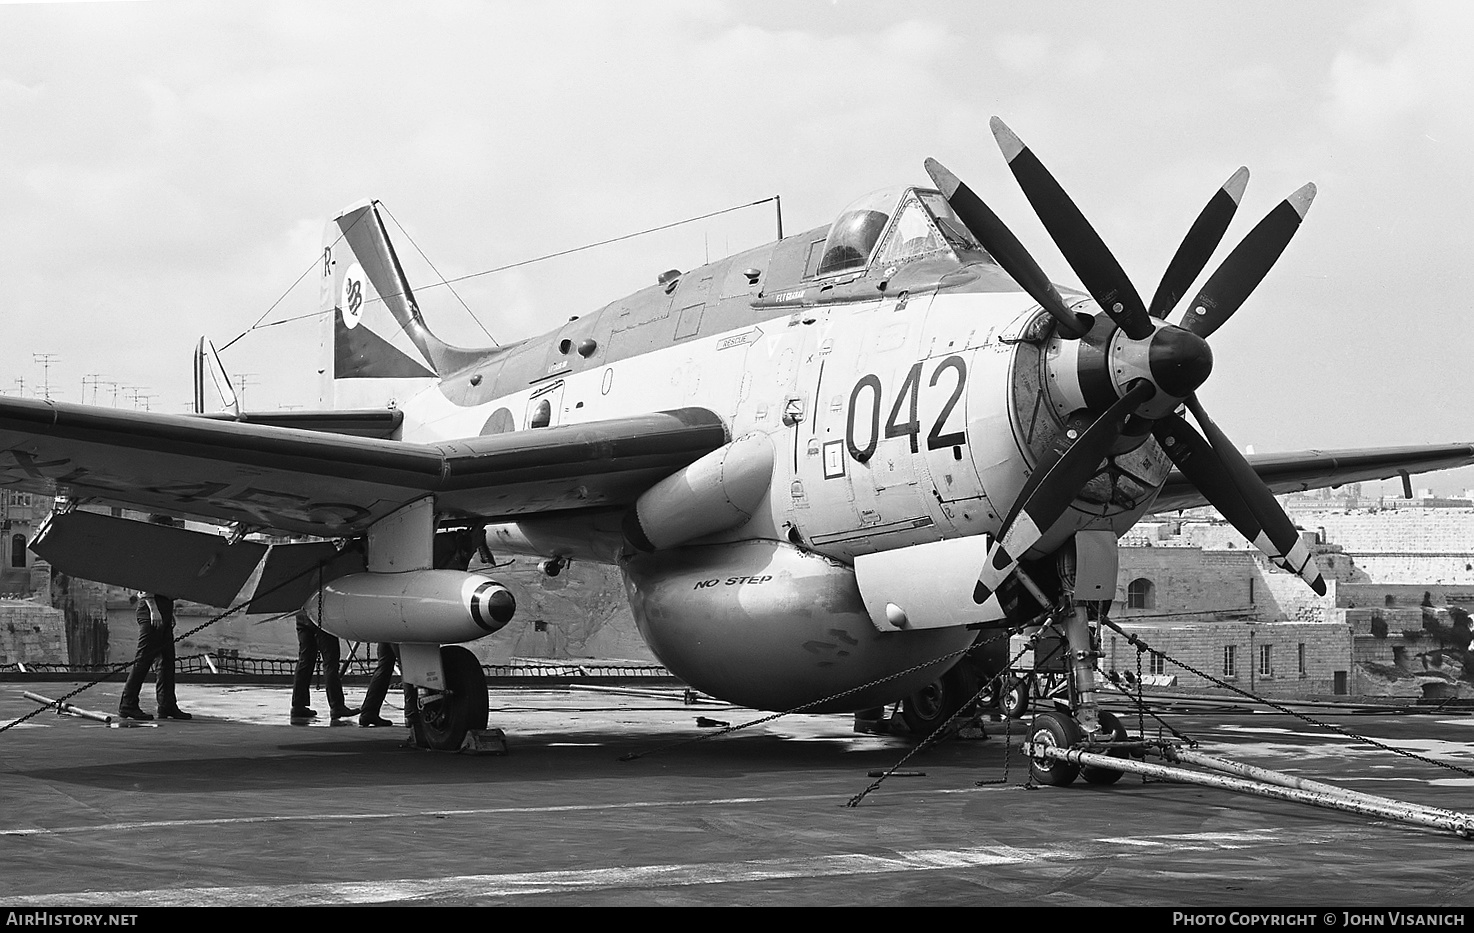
(893, 405)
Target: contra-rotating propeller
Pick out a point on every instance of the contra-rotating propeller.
(1151, 372)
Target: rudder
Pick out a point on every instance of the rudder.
(373, 325)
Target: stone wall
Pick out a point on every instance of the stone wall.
(1216, 583)
(1451, 570)
(31, 633)
(1186, 579)
(1411, 651)
(1324, 650)
(581, 613)
(1399, 531)
(1382, 595)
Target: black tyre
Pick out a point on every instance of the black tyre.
(1111, 726)
(1014, 700)
(928, 708)
(441, 720)
(1060, 731)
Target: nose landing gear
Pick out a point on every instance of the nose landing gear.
(1054, 730)
(1069, 724)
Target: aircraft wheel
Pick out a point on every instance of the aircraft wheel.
(925, 710)
(443, 719)
(1060, 731)
(1014, 700)
(1111, 726)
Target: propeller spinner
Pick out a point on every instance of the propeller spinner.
(1144, 367)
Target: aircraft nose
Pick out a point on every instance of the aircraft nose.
(1180, 361)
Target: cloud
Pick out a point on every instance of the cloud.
(1403, 68)
(1023, 54)
(167, 167)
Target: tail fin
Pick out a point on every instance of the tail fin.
(376, 328)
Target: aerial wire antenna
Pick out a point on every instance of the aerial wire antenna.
(443, 280)
(305, 272)
(627, 236)
(513, 265)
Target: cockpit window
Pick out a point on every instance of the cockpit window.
(855, 233)
(924, 224)
(912, 237)
(958, 236)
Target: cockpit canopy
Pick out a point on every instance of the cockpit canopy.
(913, 222)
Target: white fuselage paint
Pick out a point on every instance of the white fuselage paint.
(828, 384)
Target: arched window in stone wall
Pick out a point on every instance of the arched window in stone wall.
(18, 550)
(1141, 594)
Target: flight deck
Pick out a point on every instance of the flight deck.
(240, 807)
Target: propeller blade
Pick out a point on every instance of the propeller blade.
(1247, 265)
(1198, 246)
(1000, 242)
(1086, 252)
(1194, 456)
(1278, 539)
(1076, 455)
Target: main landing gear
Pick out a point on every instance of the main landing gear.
(441, 719)
(958, 690)
(929, 708)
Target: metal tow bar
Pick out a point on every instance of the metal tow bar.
(70, 709)
(1263, 782)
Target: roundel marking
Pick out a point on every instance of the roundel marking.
(500, 422)
(350, 301)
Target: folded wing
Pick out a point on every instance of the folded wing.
(331, 485)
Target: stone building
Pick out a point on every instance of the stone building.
(20, 514)
(1198, 592)
(1270, 659)
(1406, 588)
(31, 631)
(1394, 621)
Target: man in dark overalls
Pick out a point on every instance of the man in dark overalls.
(312, 643)
(155, 614)
(378, 688)
(155, 643)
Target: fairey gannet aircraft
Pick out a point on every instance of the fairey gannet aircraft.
(817, 464)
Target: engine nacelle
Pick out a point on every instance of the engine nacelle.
(721, 490)
(444, 606)
(770, 626)
(1052, 377)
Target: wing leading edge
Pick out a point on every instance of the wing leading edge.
(1315, 469)
(329, 485)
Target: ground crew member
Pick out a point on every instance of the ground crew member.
(312, 643)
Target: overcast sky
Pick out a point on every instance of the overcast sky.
(166, 169)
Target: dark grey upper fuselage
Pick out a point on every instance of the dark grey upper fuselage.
(770, 281)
